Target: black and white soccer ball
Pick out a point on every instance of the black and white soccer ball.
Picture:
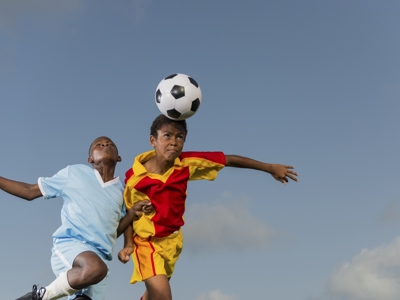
(178, 96)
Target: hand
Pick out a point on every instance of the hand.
(140, 207)
(283, 172)
(125, 254)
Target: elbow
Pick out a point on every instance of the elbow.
(32, 196)
(29, 197)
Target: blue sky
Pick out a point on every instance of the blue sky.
(314, 84)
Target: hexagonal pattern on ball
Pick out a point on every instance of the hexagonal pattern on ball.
(178, 96)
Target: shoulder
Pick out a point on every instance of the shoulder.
(216, 156)
(78, 170)
(128, 174)
(80, 167)
(137, 167)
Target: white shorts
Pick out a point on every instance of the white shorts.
(64, 252)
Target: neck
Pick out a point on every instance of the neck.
(106, 172)
(158, 166)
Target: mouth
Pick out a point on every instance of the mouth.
(106, 150)
(172, 150)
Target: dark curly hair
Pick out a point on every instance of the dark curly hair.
(162, 120)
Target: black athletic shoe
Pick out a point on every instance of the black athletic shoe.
(34, 295)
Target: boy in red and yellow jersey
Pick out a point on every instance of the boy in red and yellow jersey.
(161, 176)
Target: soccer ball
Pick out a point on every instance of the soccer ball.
(178, 96)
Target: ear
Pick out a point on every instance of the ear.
(90, 160)
(152, 141)
(119, 158)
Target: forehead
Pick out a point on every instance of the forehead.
(172, 127)
(100, 140)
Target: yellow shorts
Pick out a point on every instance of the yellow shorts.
(155, 256)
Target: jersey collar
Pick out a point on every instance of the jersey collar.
(100, 179)
(138, 167)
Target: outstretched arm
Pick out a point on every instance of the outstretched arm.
(20, 189)
(280, 172)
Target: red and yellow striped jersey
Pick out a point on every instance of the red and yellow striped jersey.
(167, 192)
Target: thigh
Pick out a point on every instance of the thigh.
(64, 255)
(89, 259)
(158, 288)
(171, 249)
(157, 256)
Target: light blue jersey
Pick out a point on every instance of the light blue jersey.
(91, 210)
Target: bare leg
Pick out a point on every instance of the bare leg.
(87, 269)
(158, 288)
(145, 296)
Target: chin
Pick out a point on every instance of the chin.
(172, 158)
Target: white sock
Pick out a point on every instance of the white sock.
(59, 288)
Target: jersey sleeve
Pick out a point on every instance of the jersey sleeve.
(127, 190)
(203, 165)
(123, 210)
(52, 187)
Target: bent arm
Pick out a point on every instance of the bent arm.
(278, 171)
(125, 222)
(20, 189)
(128, 234)
(133, 214)
(125, 253)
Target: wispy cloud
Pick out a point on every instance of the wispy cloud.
(219, 225)
(391, 214)
(216, 295)
(372, 274)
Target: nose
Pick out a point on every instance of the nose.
(173, 140)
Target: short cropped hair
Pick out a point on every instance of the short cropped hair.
(100, 137)
(162, 120)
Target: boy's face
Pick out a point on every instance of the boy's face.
(103, 150)
(169, 141)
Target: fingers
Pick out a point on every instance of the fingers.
(291, 174)
(145, 202)
(286, 173)
(124, 260)
(147, 209)
(142, 206)
(124, 255)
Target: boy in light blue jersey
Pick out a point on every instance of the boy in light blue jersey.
(92, 217)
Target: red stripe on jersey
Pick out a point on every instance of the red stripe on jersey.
(128, 174)
(151, 258)
(153, 265)
(217, 157)
(137, 256)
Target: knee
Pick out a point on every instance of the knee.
(158, 288)
(90, 268)
(96, 271)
